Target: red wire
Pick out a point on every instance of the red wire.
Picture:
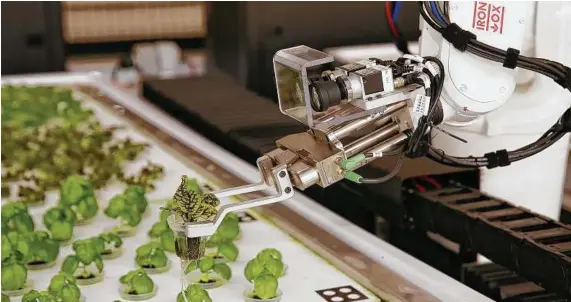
(433, 181)
(390, 18)
(420, 188)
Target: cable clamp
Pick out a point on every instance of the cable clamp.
(499, 158)
(457, 36)
(511, 58)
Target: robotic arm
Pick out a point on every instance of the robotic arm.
(366, 110)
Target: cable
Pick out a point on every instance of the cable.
(396, 11)
(390, 19)
(561, 74)
(436, 12)
(387, 177)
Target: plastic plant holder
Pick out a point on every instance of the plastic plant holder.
(158, 270)
(194, 278)
(212, 252)
(66, 242)
(20, 292)
(130, 297)
(115, 252)
(186, 248)
(36, 204)
(249, 297)
(98, 278)
(122, 231)
(40, 266)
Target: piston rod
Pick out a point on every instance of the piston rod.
(345, 130)
(371, 139)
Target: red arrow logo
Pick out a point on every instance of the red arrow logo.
(494, 27)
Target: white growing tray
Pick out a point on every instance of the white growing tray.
(307, 272)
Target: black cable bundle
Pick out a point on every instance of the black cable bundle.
(510, 58)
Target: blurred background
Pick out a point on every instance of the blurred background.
(209, 64)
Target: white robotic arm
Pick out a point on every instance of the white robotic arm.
(363, 111)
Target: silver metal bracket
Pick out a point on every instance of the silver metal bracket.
(277, 178)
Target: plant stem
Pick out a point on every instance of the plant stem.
(204, 277)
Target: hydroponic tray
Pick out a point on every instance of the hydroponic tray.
(328, 258)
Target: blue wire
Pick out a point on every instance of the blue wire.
(436, 13)
(396, 10)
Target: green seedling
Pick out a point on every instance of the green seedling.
(15, 218)
(43, 249)
(48, 136)
(31, 195)
(222, 239)
(128, 207)
(146, 177)
(192, 206)
(77, 193)
(161, 231)
(194, 293)
(208, 267)
(14, 275)
(86, 263)
(15, 248)
(111, 241)
(60, 221)
(36, 296)
(5, 298)
(263, 271)
(64, 288)
(151, 256)
(137, 282)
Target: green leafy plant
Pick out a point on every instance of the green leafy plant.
(208, 267)
(263, 271)
(137, 282)
(222, 239)
(43, 249)
(31, 194)
(77, 193)
(194, 293)
(15, 217)
(36, 296)
(5, 298)
(146, 177)
(128, 207)
(86, 263)
(161, 232)
(192, 206)
(151, 255)
(64, 288)
(15, 248)
(60, 221)
(111, 241)
(14, 275)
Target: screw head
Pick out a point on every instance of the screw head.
(503, 90)
(521, 21)
(287, 190)
(119, 109)
(282, 174)
(463, 88)
(454, 7)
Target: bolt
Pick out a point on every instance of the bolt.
(463, 88)
(287, 190)
(503, 90)
(454, 7)
(282, 174)
(521, 21)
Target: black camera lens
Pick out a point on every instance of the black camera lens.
(325, 94)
